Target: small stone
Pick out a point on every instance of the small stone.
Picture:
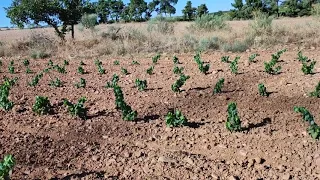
(281, 168)
(188, 160)
(233, 178)
(138, 154)
(95, 158)
(243, 153)
(166, 159)
(126, 154)
(215, 177)
(251, 162)
(258, 160)
(286, 177)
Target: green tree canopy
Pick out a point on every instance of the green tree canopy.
(189, 11)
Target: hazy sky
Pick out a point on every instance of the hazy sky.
(213, 6)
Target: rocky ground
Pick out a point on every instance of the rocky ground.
(273, 145)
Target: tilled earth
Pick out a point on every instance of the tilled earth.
(273, 145)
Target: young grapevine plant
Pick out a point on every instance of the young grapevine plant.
(127, 113)
(313, 129)
(65, 62)
(203, 68)
(114, 81)
(179, 83)
(28, 71)
(177, 70)
(308, 69)
(60, 69)
(225, 59)
(302, 58)
(26, 62)
(81, 84)
(116, 62)
(11, 67)
(141, 84)
(156, 58)
(56, 83)
(36, 80)
(135, 63)
(316, 92)
(42, 105)
(175, 60)
(5, 103)
(176, 119)
(218, 87)
(262, 90)
(124, 71)
(6, 166)
(150, 70)
(270, 66)
(80, 70)
(252, 57)
(233, 122)
(234, 65)
(77, 109)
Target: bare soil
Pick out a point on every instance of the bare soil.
(274, 144)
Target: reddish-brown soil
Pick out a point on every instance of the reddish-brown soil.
(274, 144)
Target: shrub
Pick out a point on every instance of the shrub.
(6, 165)
(89, 21)
(233, 122)
(261, 24)
(209, 43)
(218, 87)
(160, 25)
(42, 105)
(77, 109)
(176, 119)
(237, 46)
(209, 22)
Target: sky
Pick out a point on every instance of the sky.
(213, 6)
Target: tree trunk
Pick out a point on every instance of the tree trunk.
(72, 31)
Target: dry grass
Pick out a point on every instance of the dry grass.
(135, 38)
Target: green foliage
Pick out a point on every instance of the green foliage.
(209, 22)
(36, 80)
(127, 113)
(203, 68)
(81, 84)
(42, 105)
(114, 81)
(26, 62)
(55, 83)
(177, 70)
(60, 69)
(234, 65)
(176, 119)
(218, 87)
(225, 59)
(80, 70)
(65, 62)
(101, 70)
(50, 63)
(156, 58)
(124, 71)
(252, 57)
(179, 83)
(0, 62)
(189, 11)
(308, 69)
(262, 90)
(302, 58)
(135, 63)
(4, 93)
(270, 66)
(77, 109)
(54, 13)
(316, 92)
(82, 63)
(175, 60)
(150, 70)
(28, 70)
(89, 21)
(6, 165)
(160, 25)
(233, 122)
(314, 131)
(11, 67)
(306, 115)
(141, 84)
(116, 62)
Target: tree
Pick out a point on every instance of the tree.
(136, 9)
(103, 11)
(116, 7)
(188, 11)
(165, 6)
(51, 12)
(201, 10)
